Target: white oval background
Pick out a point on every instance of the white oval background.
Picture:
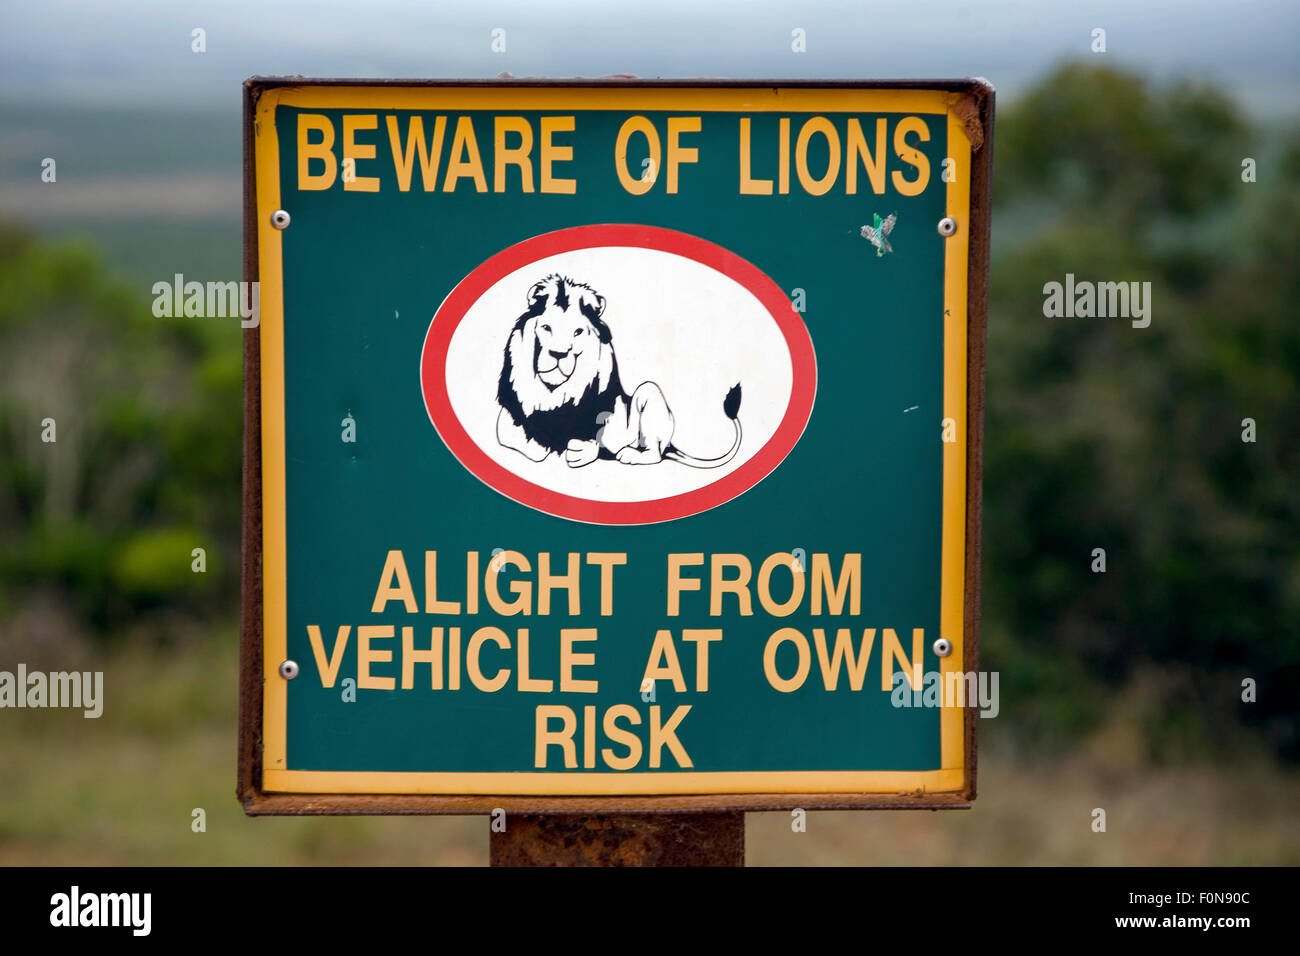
(674, 321)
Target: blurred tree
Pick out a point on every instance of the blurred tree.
(1099, 434)
(145, 465)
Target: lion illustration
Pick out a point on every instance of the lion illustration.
(560, 392)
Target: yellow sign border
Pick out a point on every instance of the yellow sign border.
(276, 777)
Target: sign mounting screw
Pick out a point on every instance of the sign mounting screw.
(280, 219)
(289, 669)
(942, 648)
(947, 226)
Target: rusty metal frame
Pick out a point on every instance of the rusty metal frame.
(979, 124)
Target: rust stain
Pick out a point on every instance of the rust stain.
(967, 110)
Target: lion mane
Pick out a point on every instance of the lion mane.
(573, 410)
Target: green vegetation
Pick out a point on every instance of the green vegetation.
(146, 465)
(1100, 435)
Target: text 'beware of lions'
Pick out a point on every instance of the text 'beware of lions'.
(528, 157)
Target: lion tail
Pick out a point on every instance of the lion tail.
(731, 406)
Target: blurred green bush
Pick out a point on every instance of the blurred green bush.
(1101, 435)
(145, 465)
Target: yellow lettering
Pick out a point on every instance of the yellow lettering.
(667, 734)
(367, 656)
(786, 685)
(739, 585)
(529, 684)
(523, 590)
(353, 150)
(394, 567)
(328, 671)
(476, 642)
(411, 657)
(783, 156)
(620, 736)
(664, 649)
(849, 584)
(676, 583)
(701, 638)
(556, 154)
(569, 660)
(817, 187)
(547, 582)
(606, 560)
(431, 603)
(307, 151)
(830, 663)
(911, 155)
(464, 144)
(857, 150)
(636, 185)
(891, 650)
(774, 561)
(562, 738)
(513, 156)
(404, 156)
(748, 185)
(678, 154)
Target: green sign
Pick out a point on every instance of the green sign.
(616, 441)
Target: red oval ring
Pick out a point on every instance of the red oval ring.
(755, 469)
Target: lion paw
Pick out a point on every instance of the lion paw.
(638, 456)
(581, 453)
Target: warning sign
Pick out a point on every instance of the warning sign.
(612, 444)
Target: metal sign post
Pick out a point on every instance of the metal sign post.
(629, 839)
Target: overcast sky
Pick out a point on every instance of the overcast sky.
(139, 53)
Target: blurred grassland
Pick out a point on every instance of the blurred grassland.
(120, 790)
